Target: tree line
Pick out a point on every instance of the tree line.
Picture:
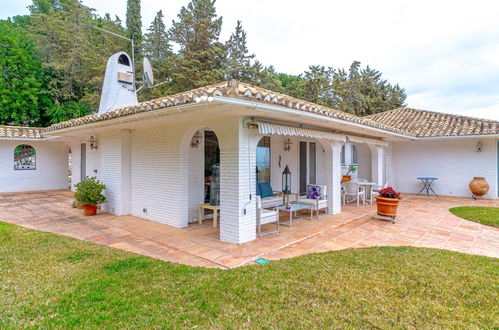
(52, 62)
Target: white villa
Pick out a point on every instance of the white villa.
(156, 157)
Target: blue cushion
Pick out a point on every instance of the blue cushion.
(258, 189)
(266, 190)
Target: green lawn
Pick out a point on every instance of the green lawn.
(485, 215)
(47, 280)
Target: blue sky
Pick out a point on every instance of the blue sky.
(444, 53)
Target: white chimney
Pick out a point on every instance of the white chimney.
(119, 88)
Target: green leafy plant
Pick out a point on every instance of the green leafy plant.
(89, 192)
(351, 169)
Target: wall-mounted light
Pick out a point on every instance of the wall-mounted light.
(287, 144)
(479, 146)
(196, 139)
(93, 143)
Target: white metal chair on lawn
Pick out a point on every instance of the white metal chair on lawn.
(353, 189)
(318, 203)
(265, 216)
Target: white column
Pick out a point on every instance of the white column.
(333, 168)
(378, 164)
(237, 183)
(75, 164)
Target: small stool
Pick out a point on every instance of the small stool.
(203, 207)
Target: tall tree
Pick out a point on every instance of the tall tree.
(24, 92)
(74, 52)
(156, 42)
(238, 64)
(201, 55)
(134, 25)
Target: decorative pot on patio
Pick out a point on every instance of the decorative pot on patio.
(479, 186)
(89, 194)
(89, 210)
(387, 202)
(346, 178)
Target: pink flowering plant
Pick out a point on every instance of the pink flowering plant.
(389, 193)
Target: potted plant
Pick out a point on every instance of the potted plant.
(89, 194)
(387, 202)
(347, 177)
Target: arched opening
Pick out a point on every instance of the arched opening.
(24, 157)
(211, 168)
(203, 176)
(124, 60)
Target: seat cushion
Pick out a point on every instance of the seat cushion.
(313, 191)
(265, 190)
(271, 201)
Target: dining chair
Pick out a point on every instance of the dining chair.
(355, 190)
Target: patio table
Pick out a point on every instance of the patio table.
(294, 208)
(427, 181)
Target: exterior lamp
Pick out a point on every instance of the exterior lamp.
(479, 146)
(287, 145)
(286, 180)
(196, 139)
(93, 143)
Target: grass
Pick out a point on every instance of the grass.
(484, 215)
(53, 281)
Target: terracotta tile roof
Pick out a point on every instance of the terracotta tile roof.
(229, 89)
(18, 132)
(423, 123)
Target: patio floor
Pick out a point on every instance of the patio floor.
(422, 222)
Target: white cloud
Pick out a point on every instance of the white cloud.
(445, 53)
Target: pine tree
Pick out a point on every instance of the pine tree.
(156, 42)
(238, 58)
(72, 50)
(134, 26)
(201, 55)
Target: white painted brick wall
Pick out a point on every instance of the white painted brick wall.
(454, 161)
(158, 183)
(110, 174)
(51, 167)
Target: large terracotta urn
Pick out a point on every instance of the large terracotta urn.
(479, 186)
(387, 206)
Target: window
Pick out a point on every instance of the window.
(123, 59)
(24, 157)
(343, 156)
(263, 160)
(354, 155)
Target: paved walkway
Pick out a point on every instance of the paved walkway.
(421, 222)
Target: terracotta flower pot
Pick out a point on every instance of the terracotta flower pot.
(90, 210)
(479, 186)
(346, 178)
(387, 206)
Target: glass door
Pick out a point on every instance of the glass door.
(307, 164)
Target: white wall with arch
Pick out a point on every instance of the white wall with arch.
(51, 171)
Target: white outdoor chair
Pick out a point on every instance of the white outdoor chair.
(376, 189)
(353, 189)
(317, 204)
(264, 216)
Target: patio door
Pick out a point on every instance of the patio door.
(83, 160)
(307, 165)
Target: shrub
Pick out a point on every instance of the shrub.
(89, 192)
